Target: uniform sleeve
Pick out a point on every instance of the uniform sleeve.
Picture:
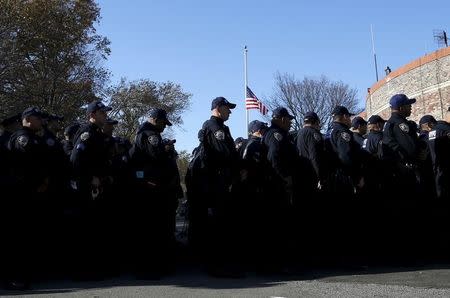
(406, 142)
(219, 145)
(274, 157)
(315, 152)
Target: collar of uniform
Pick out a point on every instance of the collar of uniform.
(94, 126)
(217, 119)
(397, 115)
(254, 138)
(339, 125)
(274, 126)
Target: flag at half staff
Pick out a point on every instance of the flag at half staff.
(252, 102)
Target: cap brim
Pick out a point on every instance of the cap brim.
(168, 123)
(106, 109)
(231, 105)
(411, 101)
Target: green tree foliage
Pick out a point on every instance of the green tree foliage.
(50, 55)
(320, 95)
(132, 102)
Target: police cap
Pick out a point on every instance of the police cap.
(399, 100)
(341, 110)
(427, 119)
(97, 105)
(221, 101)
(281, 112)
(256, 125)
(158, 113)
(32, 111)
(358, 121)
(311, 116)
(374, 119)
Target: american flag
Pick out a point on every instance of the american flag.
(252, 102)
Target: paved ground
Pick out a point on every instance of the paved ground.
(427, 281)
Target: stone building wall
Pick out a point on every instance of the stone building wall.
(427, 79)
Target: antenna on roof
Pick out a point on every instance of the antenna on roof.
(440, 37)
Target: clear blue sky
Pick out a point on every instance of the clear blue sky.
(199, 45)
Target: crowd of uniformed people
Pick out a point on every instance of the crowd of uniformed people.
(93, 204)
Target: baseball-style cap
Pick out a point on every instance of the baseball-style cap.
(427, 119)
(374, 119)
(160, 114)
(221, 101)
(256, 125)
(72, 129)
(281, 112)
(97, 105)
(399, 100)
(341, 110)
(32, 111)
(311, 116)
(358, 121)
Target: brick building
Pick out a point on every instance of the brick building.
(427, 79)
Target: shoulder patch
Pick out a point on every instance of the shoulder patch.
(84, 136)
(277, 136)
(345, 136)
(317, 136)
(220, 135)
(50, 142)
(153, 140)
(80, 146)
(448, 134)
(432, 135)
(404, 127)
(364, 145)
(23, 140)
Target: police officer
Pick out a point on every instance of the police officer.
(240, 144)
(346, 176)
(439, 140)
(425, 168)
(69, 134)
(401, 148)
(254, 208)
(374, 170)
(151, 166)
(311, 149)
(91, 170)
(25, 205)
(213, 171)
(359, 128)
(282, 174)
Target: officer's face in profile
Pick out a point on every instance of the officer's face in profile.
(447, 117)
(286, 123)
(347, 120)
(224, 112)
(406, 110)
(33, 122)
(100, 117)
(160, 124)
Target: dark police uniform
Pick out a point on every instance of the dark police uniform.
(347, 158)
(151, 168)
(311, 149)
(90, 157)
(358, 138)
(400, 150)
(439, 141)
(27, 211)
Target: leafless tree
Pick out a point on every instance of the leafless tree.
(319, 95)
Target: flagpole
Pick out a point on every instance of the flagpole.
(245, 90)
(374, 55)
